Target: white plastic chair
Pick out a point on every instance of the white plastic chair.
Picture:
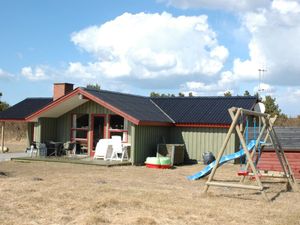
(103, 148)
(118, 149)
(33, 151)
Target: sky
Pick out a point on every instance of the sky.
(139, 46)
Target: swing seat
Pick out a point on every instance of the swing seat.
(243, 173)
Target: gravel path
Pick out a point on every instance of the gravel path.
(8, 156)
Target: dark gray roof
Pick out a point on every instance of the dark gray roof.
(200, 110)
(25, 108)
(203, 110)
(138, 107)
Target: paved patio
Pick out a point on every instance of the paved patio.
(8, 156)
(74, 160)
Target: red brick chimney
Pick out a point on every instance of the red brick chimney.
(61, 89)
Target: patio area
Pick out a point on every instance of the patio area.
(76, 160)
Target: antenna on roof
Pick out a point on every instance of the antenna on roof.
(260, 73)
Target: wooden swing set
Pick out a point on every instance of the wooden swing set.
(237, 115)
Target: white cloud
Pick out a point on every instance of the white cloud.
(226, 82)
(230, 5)
(147, 46)
(284, 6)
(77, 70)
(288, 100)
(274, 44)
(38, 73)
(5, 75)
(264, 89)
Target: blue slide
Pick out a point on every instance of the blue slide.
(223, 160)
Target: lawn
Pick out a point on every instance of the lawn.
(57, 193)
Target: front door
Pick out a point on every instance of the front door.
(98, 131)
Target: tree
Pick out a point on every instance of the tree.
(272, 107)
(3, 105)
(246, 93)
(191, 94)
(154, 94)
(227, 94)
(93, 86)
(157, 95)
(180, 94)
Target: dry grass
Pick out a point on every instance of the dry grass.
(54, 193)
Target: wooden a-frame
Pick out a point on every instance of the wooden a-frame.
(267, 127)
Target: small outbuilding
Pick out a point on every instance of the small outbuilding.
(85, 115)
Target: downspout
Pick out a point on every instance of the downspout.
(132, 148)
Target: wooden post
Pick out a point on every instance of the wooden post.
(2, 136)
(221, 152)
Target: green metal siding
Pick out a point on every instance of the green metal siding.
(64, 128)
(45, 130)
(29, 139)
(91, 108)
(200, 140)
(145, 142)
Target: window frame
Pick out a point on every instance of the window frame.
(123, 131)
(74, 139)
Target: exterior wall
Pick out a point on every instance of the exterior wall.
(200, 140)
(269, 161)
(64, 122)
(59, 129)
(30, 132)
(45, 130)
(145, 140)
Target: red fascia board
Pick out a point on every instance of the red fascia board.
(88, 96)
(202, 125)
(53, 104)
(149, 123)
(110, 107)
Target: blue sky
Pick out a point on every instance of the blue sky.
(200, 46)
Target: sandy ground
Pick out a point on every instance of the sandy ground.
(57, 193)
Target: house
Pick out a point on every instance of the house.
(85, 115)
(289, 138)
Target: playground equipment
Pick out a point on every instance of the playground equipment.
(223, 160)
(238, 115)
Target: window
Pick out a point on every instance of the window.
(80, 127)
(118, 127)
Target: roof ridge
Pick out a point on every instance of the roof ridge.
(195, 97)
(113, 92)
(38, 98)
(160, 109)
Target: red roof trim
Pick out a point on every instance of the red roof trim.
(202, 125)
(53, 104)
(88, 96)
(149, 123)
